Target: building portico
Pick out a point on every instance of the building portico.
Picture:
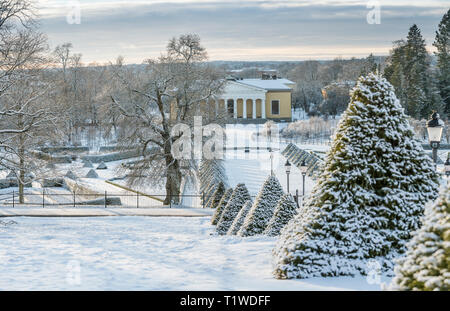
(243, 102)
(253, 99)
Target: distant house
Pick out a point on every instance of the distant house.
(267, 98)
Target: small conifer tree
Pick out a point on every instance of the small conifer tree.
(221, 206)
(263, 208)
(286, 209)
(239, 220)
(426, 265)
(217, 196)
(238, 198)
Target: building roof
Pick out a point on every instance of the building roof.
(270, 85)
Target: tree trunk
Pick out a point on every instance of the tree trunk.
(20, 183)
(173, 178)
(21, 162)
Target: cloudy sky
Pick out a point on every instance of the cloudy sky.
(237, 29)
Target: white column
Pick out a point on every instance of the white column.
(217, 107)
(244, 108)
(263, 108)
(235, 108)
(254, 108)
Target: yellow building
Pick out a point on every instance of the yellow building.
(268, 98)
(250, 99)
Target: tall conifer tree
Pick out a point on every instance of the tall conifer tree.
(370, 196)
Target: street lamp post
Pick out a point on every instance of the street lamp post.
(288, 171)
(271, 161)
(303, 169)
(435, 127)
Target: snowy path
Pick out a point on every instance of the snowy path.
(87, 211)
(141, 253)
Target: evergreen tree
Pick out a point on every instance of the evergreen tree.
(410, 73)
(211, 172)
(370, 195)
(442, 44)
(395, 71)
(369, 65)
(239, 219)
(286, 209)
(238, 198)
(208, 194)
(426, 265)
(221, 206)
(263, 208)
(217, 196)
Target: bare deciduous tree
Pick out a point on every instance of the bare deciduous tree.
(172, 89)
(23, 113)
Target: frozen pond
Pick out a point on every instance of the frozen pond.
(140, 253)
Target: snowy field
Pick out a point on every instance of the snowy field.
(141, 253)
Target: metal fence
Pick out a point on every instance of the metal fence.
(103, 200)
(107, 199)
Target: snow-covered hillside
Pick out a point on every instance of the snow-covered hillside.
(141, 253)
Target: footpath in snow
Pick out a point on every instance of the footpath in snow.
(98, 212)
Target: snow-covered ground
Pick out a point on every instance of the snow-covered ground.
(141, 253)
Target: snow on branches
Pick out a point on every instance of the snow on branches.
(371, 193)
(221, 206)
(426, 265)
(240, 217)
(263, 208)
(238, 198)
(285, 210)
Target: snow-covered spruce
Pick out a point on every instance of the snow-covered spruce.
(221, 206)
(426, 265)
(263, 208)
(240, 217)
(92, 174)
(236, 202)
(70, 175)
(370, 195)
(102, 166)
(217, 196)
(208, 195)
(286, 209)
(211, 172)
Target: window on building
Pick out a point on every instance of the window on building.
(275, 107)
(230, 106)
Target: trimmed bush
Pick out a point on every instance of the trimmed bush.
(221, 206)
(426, 265)
(92, 174)
(263, 208)
(240, 217)
(237, 200)
(286, 209)
(217, 196)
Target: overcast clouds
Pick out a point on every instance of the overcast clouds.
(238, 30)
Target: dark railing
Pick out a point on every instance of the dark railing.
(134, 200)
(104, 200)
